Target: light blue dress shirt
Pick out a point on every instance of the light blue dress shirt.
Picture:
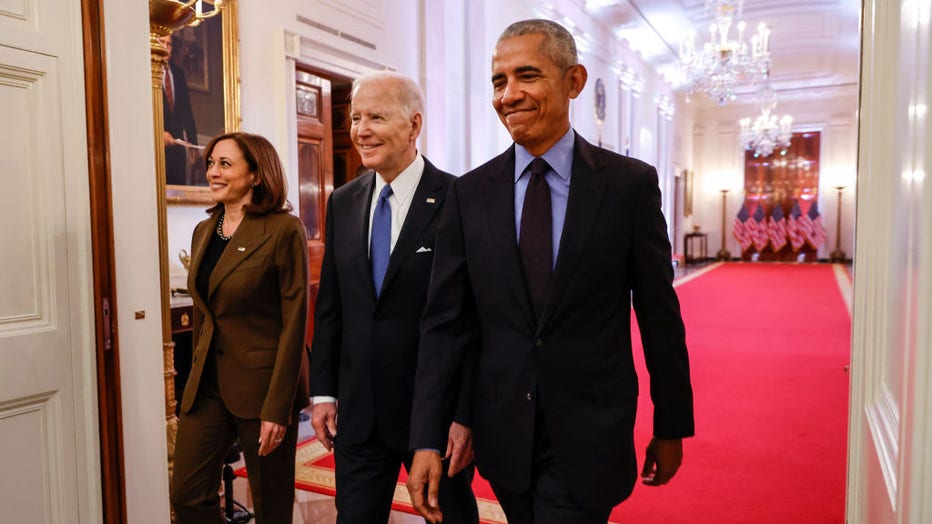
(560, 158)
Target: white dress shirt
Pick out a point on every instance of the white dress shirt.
(400, 201)
(403, 188)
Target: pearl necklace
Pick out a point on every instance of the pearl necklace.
(220, 229)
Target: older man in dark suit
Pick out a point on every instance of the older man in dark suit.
(539, 255)
(377, 258)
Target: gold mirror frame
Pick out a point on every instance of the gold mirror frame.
(232, 120)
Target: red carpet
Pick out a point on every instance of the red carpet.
(314, 472)
(768, 347)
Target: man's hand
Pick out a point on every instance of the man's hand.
(426, 469)
(661, 460)
(324, 421)
(167, 138)
(459, 448)
(270, 437)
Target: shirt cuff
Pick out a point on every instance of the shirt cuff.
(323, 399)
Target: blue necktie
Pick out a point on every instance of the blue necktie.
(380, 245)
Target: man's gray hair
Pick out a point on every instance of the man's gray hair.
(558, 44)
(405, 90)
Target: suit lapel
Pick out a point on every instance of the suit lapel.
(428, 196)
(498, 193)
(198, 247)
(358, 228)
(248, 237)
(583, 203)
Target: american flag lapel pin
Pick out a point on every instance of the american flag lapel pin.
(241, 248)
(431, 200)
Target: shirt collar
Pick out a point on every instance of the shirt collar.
(405, 183)
(560, 157)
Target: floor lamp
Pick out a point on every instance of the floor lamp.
(723, 254)
(838, 255)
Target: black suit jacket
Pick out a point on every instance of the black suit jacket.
(180, 123)
(576, 361)
(364, 351)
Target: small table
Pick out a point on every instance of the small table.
(688, 240)
(182, 311)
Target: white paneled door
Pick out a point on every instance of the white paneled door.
(890, 446)
(48, 422)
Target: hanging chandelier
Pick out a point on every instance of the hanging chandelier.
(726, 60)
(768, 132)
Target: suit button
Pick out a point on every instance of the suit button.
(530, 396)
(538, 343)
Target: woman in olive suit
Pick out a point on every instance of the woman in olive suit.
(248, 280)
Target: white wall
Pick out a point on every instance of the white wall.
(716, 152)
(135, 231)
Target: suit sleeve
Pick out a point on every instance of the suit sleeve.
(658, 314)
(196, 313)
(328, 321)
(292, 263)
(189, 126)
(463, 411)
(446, 338)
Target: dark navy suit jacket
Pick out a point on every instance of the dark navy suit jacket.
(364, 351)
(574, 364)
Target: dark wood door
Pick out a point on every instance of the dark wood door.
(347, 163)
(315, 167)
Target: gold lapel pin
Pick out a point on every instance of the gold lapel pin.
(431, 200)
(241, 249)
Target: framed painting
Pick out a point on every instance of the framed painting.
(201, 100)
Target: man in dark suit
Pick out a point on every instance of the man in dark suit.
(376, 267)
(178, 121)
(540, 253)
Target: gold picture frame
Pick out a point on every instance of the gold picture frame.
(219, 96)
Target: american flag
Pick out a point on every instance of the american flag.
(740, 229)
(776, 228)
(811, 226)
(759, 229)
(797, 238)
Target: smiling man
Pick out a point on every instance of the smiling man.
(373, 285)
(540, 254)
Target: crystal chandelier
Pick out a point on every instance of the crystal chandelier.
(725, 62)
(768, 132)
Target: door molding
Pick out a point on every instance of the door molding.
(107, 354)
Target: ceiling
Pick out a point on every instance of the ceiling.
(814, 44)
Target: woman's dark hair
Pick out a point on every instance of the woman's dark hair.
(268, 195)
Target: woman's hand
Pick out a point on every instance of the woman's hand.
(270, 437)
